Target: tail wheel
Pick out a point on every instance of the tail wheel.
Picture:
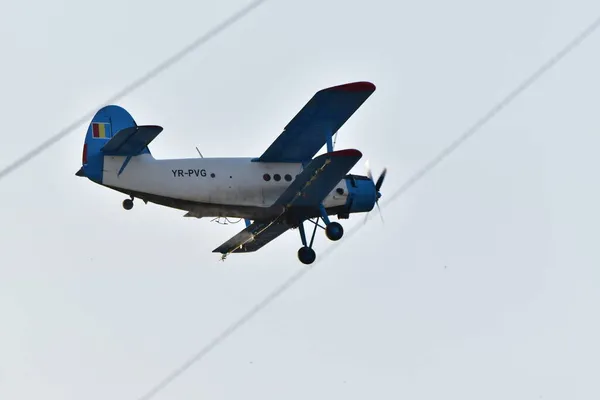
(128, 204)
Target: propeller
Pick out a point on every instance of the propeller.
(378, 185)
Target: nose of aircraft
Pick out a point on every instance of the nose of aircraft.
(378, 183)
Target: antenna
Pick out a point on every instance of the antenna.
(198, 150)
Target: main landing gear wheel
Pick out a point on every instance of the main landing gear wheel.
(128, 204)
(334, 231)
(306, 255)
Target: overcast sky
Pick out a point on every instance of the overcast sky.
(482, 283)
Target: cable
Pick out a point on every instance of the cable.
(224, 335)
(418, 176)
(495, 110)
(133, 86)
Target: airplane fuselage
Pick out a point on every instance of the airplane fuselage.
(212, 187)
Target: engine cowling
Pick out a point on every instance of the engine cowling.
(361, 194)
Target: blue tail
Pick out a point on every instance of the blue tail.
(107, 122)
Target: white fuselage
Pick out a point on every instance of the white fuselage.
(219, 181)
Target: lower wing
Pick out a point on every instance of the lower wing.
(309, 189)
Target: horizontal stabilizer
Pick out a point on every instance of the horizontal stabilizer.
(131, 141)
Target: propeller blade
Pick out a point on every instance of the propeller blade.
(380, 213)
(366, 219)
(380, 180)
(378, 185)
(368, 168)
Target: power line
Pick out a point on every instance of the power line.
(133, 86)
(225, 334)
(413, 180)
(496, 109)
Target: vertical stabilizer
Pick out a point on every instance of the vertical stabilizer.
(106, 123)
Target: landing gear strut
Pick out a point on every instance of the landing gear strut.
(333, 230)
(128, 204)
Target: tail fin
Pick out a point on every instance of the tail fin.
(106, 123)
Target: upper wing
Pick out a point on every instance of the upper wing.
(320, 119)
(131, 141)
(309, 189)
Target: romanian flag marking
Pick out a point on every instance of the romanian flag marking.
(100, 130)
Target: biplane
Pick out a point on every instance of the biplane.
(276, 192)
